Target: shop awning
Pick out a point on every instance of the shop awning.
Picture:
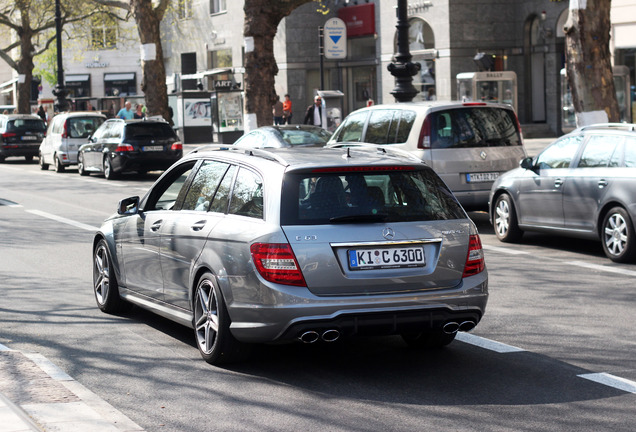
(119, 76)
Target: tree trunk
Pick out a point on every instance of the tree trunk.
(261, 23)
(153, 81)
(588, 64)
(25, 69)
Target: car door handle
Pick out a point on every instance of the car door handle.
(602, 183)
(155, 226)
(198, 226)
(558, 183)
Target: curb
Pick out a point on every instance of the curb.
(36, 395)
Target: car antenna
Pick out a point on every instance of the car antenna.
(348, 152)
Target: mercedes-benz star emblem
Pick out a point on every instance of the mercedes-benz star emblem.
(388, 233)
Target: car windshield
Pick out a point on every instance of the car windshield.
(473, 127)
(387, 194)
(305, 137)
(149, 130)
(23, 125)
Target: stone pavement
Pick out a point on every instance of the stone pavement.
(36, 395)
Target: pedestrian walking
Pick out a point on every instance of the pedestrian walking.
(277, 110)
(313, 116)
(287, 110)
(126, 113)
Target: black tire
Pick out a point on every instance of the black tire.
(109, 174)
(211, 323)
(505, 220)
(617, 236)
(428, 340)
(28, 158)
(105, 285)
(59, 168)
(43, 166)
(81, 170)
(1, 159)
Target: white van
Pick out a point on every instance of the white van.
(66, 133)
(468, 144)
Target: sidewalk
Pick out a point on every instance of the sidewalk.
(36, 395)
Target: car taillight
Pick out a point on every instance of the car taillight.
(177, 146)
(276, 263)
(8, 134)
(124, 148)
(475, 263)
(65, 131)
(425, 135)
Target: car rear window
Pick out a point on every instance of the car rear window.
(23, 125)
(83, 127)
(473, 127)
(366, 195)
(149, 130)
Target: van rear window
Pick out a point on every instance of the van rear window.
(473, 127)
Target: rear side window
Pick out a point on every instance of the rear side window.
(247, 195)
(474, 127)
(204, 185)
(599, 150)
(630, 152)
(83, 127)
(391, 195)
(23, 125)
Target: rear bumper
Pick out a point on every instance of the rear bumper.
(473, 200)
(18, 151)
(293, 315)
(123, 162)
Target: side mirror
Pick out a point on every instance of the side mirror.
(128, 206)
(526, 163)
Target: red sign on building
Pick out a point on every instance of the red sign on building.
(360, 19)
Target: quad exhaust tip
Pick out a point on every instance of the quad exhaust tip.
(312, 336)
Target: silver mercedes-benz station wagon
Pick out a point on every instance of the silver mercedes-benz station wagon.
(313, 245)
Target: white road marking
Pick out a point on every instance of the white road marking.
(487, 343)
(611, 381)
(600, 267)
(63, 220)
(504, 250)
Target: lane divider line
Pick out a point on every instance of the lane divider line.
(504, 250)
(63, 220)
(601, 267)
(487, 343)
(611, 381)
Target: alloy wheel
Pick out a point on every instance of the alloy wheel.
(502, 218)
(206, 316)
(616, 234)
(101, 274)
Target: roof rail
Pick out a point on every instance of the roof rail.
(248, 151)
(381, 149)
(621, 126)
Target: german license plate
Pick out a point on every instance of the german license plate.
(29, 138)
(152, 148)
(481, 177)
(365, 259)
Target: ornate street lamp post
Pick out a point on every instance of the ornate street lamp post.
(402, 68)
(59, 91)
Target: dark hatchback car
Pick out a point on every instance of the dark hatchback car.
(20, 135)
(285, 136)
(582, 185)
(120, 146)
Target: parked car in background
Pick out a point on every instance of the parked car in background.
(582, 185)
(66, 133)
(295, 244)
(120, 146)
(285, 136)
(20, 135)
(468, 144)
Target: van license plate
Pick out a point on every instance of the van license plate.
(481, 177)
(365, 259)
(153, 148)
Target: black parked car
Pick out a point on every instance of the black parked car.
(20, 135)
(120, 146)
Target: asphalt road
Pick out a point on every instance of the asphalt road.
(559, 320)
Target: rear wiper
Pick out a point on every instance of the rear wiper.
(380, 217)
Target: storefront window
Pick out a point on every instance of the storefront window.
(78, 85)
(120, 84)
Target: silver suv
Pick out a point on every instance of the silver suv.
(254, 246)
(468, 144)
